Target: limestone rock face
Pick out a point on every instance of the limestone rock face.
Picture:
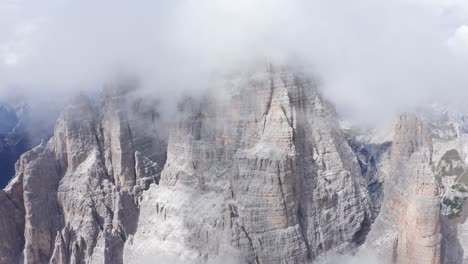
(262, 174)
(408, 227)
(75, 198)
(258, 171)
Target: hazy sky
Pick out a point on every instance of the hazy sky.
(374, 58)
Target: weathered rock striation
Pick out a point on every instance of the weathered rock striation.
(258, 171)
(74, 199)
(408, 228)
(264, 175)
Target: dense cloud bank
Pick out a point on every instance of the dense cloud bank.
(372, 58)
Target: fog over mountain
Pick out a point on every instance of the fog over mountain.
(248, 131)
(382, 55)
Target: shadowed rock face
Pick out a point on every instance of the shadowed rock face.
(75, 198)
(20, 131)
(263, 175)
(13, 141)
(408, 227)
(373, 159)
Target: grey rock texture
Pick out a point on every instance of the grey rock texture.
(407, 229)
(75, 198)
(257, 170)
(262, 174)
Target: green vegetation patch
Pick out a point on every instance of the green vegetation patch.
(455, 205)
(459, 188)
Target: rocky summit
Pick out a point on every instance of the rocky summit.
(256, 170)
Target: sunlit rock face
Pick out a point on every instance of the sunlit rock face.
(263, 175)
(257, 171)
(408, 227)
(254, 170)
(74, 199)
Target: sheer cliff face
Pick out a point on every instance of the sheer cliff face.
(408, 227)
(263, 175)
(75, 198)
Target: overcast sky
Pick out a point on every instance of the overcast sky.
(374, 58)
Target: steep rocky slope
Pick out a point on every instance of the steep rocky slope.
(449, 164)
(373, 156)
(74, 199)
(256, 170)
(407, 229)
(261, 173)
(450, 138)
(264, 175)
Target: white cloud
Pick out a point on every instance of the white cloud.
(374, 58)
(18, 45)
(458, 42)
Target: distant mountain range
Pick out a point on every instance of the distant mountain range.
(19, 132)
(14, 140)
